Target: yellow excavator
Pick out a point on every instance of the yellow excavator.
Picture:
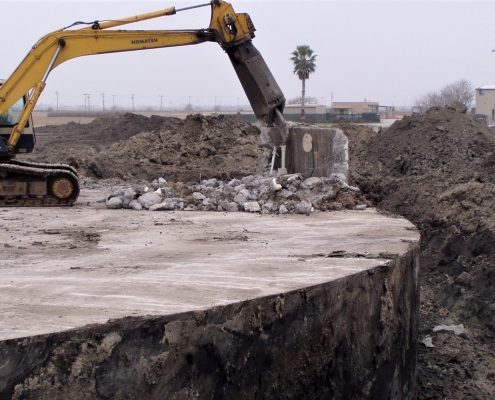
(34, 184)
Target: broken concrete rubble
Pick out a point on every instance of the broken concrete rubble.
(253, 193)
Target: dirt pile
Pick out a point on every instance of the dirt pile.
(438, 171)
(136, 147)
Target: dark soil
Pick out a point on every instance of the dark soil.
(133, 146)
(438, 171)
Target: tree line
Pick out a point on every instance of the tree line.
(461, 91)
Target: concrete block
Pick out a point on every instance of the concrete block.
(218, 306)
(327, 155)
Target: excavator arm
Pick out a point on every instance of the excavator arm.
(232, 31)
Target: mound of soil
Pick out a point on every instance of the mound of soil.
(133, 146)
(438, 171)
(109, 129)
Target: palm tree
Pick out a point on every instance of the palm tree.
(304, 64)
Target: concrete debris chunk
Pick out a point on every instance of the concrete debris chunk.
(249, 179)
(268, 206)
(427, 341)
(245, 193)
(164, 206)
(223, 204)
(209, 201)
(129, 195)
(135, 205)
(252, 206)
(118, 192)
(228, 189)
(337, 177)
(149, 198)
(457, 329)
(285, 193)
(304, 207)
(198, 196)
(251, 194)
(115, 203)
(210, 207)
(157, 207)
(311, 182)
(238, 188)
(240, 199)
(210, 183)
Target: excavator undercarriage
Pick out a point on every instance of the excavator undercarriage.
(36, 184)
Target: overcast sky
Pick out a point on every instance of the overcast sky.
(385, 51)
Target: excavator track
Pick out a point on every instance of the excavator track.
(27, 184)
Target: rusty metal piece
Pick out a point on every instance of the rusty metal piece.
(62, 188)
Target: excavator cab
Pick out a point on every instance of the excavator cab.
(8, 120)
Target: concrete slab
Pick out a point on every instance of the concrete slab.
(64, 268)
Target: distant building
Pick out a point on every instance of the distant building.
(362, 107)
(313, 113)
(485, 103)
(354, 107)
(308, 109)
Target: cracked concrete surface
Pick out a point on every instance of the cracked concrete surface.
(63, 268)
(114, 304)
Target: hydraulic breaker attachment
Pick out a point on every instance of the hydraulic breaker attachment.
(260, 86)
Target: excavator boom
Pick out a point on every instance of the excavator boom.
(232, 31)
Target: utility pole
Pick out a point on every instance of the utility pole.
(113, 102)
(89, 105)
(57, 98)
(215, 109)
(493, 50)
(161, 102)
(132, 97)
(85, 98)
(493, 110)
(103, 98)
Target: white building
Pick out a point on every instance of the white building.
(485, 102)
